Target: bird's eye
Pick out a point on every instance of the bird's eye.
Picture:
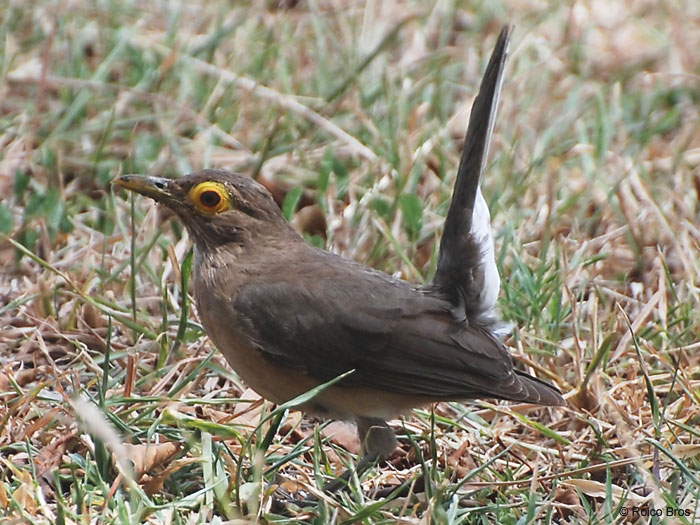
(210, 197)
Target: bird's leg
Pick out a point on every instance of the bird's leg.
(377, 438)
(378, 442)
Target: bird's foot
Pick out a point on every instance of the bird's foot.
(283, 500)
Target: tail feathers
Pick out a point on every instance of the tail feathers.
(466, 272)
(537, 391)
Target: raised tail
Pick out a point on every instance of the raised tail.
(466, 271)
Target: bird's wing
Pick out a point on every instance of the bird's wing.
(395, 338)
(466, 271)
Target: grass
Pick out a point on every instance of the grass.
(116, 409)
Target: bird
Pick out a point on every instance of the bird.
(289, 316)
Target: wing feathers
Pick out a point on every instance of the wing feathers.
(392, 348)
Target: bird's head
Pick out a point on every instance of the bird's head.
(216, 206)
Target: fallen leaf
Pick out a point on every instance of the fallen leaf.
(460, 461)
(21, 377)
(50, 457)
(343, 434)
(249, 413)
(595, 489)
(25, 494)
(154, 484)
(686, 451)
(146, 457)
(292, 486)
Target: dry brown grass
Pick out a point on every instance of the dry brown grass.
(594, 187)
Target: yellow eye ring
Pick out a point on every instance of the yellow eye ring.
(210, 197)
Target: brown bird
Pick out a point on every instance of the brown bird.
(289, 316)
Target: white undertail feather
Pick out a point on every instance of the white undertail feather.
(483, 234)
(467, 259)
(481, 230)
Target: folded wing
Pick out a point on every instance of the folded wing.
(397, 340)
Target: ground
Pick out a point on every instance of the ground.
(117, 409)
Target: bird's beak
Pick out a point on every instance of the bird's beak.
(157, 188)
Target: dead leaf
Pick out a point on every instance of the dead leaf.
(460, 461)
(24, 495)
(249, 413)
(343, 434)
(569, 500)
(292, 421)
(154, 484)
(147, 457)
(21, 377)
(292, 486)
(595, 489)
(4, 499)
(686, 451)
(49, 457)
(40, 423)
